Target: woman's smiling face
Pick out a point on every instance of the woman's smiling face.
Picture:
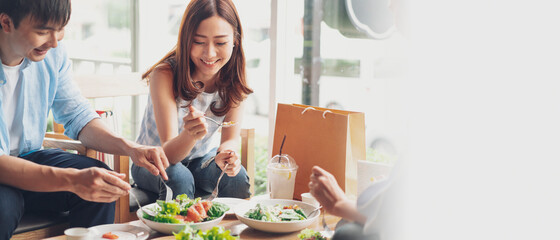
(212, 47)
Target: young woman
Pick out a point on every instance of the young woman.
(202, 77)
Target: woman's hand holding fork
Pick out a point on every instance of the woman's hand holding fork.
(195, 123)
(228, 156)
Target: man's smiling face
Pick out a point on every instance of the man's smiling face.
(32, 40)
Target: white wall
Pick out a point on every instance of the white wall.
(483, 109)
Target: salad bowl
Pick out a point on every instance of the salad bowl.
(280, 226)
(169, 228)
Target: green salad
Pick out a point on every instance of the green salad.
(276, 213)
(186, 210)
(310, 234)
(215, 233)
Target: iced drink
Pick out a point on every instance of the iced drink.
(281, 172)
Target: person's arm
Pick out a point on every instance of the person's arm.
(92, 184)
(176, 146)
(230, 142)
(96, 135)
(80, 122)
(324, 187)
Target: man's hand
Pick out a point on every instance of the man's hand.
(325, 189)
(195, 124)
(231, 157)
(151, 158)
(95, 135)
(99, 185)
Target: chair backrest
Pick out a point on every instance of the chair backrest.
(248, 155)
(59, 140)
(112, 85)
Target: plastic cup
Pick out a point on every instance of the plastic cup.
(281, 172)
(308, 198)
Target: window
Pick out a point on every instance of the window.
(98, 36)
(98, 39)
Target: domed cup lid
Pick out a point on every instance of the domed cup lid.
(283, 161)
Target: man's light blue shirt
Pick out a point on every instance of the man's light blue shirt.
(46, 85)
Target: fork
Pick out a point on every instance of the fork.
(229, 124)
(147, 211)
(215, 192)
(168, 192)
(314, 211)
(327, 231)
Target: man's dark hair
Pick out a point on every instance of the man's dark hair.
(43, 11)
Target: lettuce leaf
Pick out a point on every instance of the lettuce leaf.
(162, 218)
(216, 210)
(301, 213)
(256, 213)
(290, 215)
(172, 208)
(310, 234)
(215, 233)
(182, 198)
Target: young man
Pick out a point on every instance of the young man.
(35, 78)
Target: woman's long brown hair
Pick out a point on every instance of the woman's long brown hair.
(232, 83)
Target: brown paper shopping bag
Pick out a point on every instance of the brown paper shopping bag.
(332, 139)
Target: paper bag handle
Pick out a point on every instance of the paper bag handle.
(324, 113)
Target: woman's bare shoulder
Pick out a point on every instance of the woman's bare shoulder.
(162, 74)
(161, 81)
(162, 69)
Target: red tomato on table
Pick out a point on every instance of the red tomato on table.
(110, 235)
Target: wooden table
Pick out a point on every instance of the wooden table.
(230, 221)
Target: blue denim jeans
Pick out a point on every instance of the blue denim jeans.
(14, 202)
(188, 177)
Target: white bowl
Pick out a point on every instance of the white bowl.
(276, 227)
(169, 228)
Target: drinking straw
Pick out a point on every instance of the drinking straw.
(282, 145)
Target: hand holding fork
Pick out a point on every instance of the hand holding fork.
(231, 156)
(215, 192)
(193, 113)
